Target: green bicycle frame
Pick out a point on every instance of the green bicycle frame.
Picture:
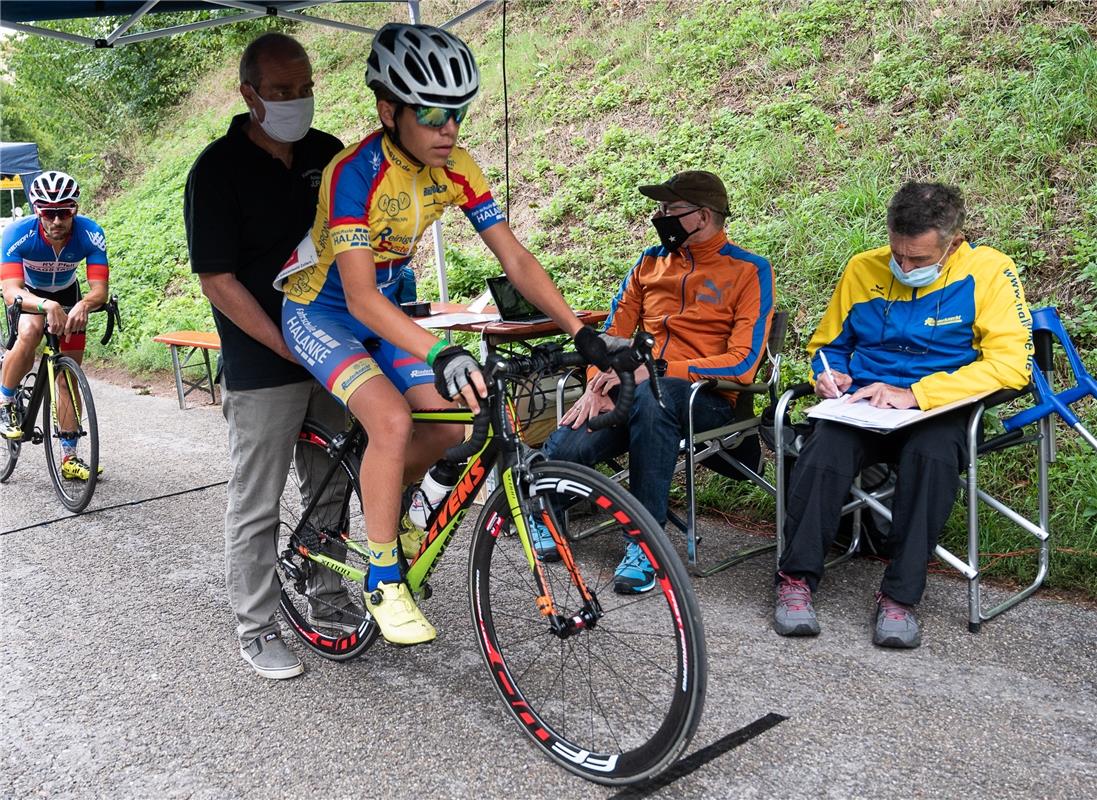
(449, 515)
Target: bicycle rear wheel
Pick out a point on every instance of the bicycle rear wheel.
(71, 417)
(612, 687)
(323, 607)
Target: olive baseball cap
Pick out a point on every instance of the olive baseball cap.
(693, 186)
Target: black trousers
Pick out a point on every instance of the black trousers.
(928, 458)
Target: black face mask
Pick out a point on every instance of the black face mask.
(672, 233)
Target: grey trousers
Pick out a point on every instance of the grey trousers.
(263, 427)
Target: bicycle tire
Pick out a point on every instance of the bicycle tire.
(74, 493)
(316, 588)
(639, 671)
(9, 453)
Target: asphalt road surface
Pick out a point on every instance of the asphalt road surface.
(120, 675)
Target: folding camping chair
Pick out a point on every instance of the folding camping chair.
(1047, 328)
(732, 450)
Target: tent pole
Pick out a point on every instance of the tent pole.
(436, 228)
(113, 36)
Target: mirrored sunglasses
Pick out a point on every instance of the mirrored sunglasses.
(434, 117)
(56, 213)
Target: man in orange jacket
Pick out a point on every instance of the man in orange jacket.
(709, 305)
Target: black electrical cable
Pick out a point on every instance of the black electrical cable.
(111, 508)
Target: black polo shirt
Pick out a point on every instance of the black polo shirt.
(244, 214)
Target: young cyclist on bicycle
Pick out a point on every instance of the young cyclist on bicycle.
(40, 255)
(340, 317)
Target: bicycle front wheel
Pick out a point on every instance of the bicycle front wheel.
(609, 686)
(9, 455)
(69, 427)
(323, 606)
(9, 448)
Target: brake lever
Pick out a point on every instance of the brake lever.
(654, 380)
(642, 346)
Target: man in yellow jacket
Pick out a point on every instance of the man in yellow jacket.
(927, 320)
(709, 305)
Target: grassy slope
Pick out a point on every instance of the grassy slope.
(812, 111)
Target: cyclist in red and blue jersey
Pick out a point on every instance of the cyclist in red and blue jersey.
(39, 259)
(340, 317)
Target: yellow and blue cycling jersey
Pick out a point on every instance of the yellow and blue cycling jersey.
(371, 197)
(968, 332)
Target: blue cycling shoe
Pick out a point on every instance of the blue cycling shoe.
(544, 546)
(634, 575)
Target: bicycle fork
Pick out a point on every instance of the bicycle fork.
(591, 611)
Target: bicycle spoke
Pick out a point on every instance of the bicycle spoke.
(615, 680)
(323, 607)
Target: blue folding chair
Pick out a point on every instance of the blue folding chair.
(1045, 325)
(1046, 329)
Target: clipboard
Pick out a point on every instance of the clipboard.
(882, 420)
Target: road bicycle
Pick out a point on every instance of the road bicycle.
(609, 686)
(61, 390)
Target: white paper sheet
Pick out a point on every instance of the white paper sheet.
(456, 318)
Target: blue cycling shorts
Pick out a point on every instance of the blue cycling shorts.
(342, 353)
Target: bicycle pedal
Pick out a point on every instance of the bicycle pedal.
(425, 593)
(292, 571)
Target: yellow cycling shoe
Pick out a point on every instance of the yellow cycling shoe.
(411, 539)
(9, 422)
(73, 468)
(400, 620)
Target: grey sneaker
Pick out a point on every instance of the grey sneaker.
(794, 614)
(896, 625)
(346, 619)
(271, 658)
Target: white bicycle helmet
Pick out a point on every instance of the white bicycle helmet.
(423, 66)
(52, 187)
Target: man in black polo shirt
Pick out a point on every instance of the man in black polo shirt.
(250, 197)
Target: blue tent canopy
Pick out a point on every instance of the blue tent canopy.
(20, 158)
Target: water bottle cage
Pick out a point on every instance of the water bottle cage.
(421, 510)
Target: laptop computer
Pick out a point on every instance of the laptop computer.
(510, 303)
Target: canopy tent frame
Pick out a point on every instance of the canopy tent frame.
(15, 16)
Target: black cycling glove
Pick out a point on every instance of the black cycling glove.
(452, 368)
(598, 348)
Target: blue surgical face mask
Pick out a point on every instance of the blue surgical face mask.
(919, 276)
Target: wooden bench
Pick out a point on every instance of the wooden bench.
(192, 342)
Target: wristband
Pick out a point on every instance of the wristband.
(41, 305)
(432, 354)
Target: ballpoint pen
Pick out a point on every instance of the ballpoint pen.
(826, 369)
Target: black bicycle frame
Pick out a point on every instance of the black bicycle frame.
(42, 384)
